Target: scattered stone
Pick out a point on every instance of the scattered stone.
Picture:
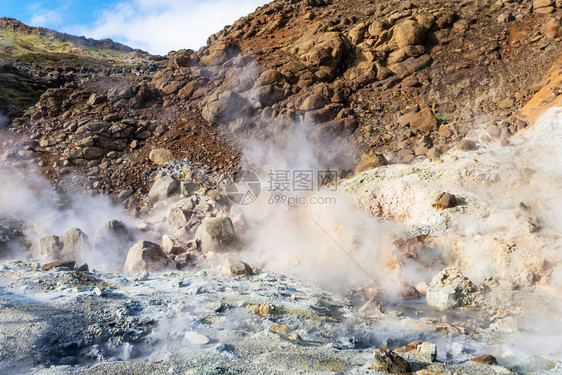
(506, 103)
(83, 268)
(450, 289)
(162, 188)
(113, 237)
(145, 256)
(541, 3)
(279, 328)
(75, 242)
(170, 246)
(390, 362)
(424, 121)
(485, 359)
(294, 336)
(426, 351)
(444, 201)
(215, 234)
(409, 32)
(49, 247)
(263, 309)
(177, 218)
(59, 264)
(370, 161)
(189, 188)
(195, 338)
(553, 28)
(160, 156)
(467, 145)
(235, 267)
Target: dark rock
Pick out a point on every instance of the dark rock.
(59, 264)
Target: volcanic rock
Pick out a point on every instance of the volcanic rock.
(162, 188)
(409, 32)
(424, 121)
(444, 201)
(485, 359)
(370, 161)
(113, 234)
(75, 242)
(144, 256)
(59, 264)
(450, 289)
(160, 156)
(215, 234)
(467, 145)
(390, 362)
(235, 267)
(49, 247)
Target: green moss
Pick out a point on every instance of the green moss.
(445, 117)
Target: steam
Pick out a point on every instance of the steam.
(317, 235)
(27, 197)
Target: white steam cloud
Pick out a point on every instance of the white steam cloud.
(312, 232)
(28, 198)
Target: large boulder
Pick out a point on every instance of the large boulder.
(215, 234)
(144, 256)
(389, 362)
(49, 247)
(424, 121)
(408, 33)
(162, 188)
(182, 58)
(320, 49)
(224, 107)
(113, 238)
(74, 243)
(450, 289)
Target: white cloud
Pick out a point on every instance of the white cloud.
(160, 26)
(46, 18)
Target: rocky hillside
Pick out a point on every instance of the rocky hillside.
(33, 59)
(406, 80)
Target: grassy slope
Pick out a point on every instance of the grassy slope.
(50, 53)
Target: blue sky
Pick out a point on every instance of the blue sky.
(157, 26)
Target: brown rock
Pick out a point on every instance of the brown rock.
(390, 362)
(409, 32)
(485, 359)
(444, 201)
(370, 161)
(553, 28)
(172, 88)
(506, 103)
(313, 102)
(263, 309)
(279, 328)
(424, 121)
(160, 156)
(235, 267)
(59, 264)
(467, 145)
(541, 3)
(145, 255)
(215, 235)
